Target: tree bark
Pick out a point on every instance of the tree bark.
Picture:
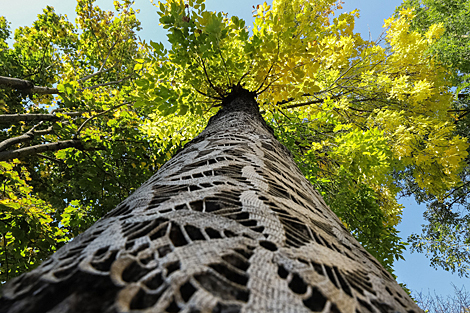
(27, 85)
(10, 119)
(227, 225)
(29, 135)
(32, 150)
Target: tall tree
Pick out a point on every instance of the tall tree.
(351, 111)
(70, 146)
(228, 224)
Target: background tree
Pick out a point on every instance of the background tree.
(446, 237)
(66, 118)
(432, 303)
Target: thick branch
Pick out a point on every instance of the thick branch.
(9, 119)
(25, 137)
(27, 151)
(22, 84)
(27, 85)
(462, 96)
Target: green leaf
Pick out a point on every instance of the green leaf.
(183, 110)
(142, 82)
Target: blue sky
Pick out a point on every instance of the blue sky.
(415, 271)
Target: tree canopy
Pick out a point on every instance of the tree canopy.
(446, 237)
(90, 112)
(71, 148)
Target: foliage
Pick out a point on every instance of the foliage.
(446, 237)
(353, 112)
(28, 232)
(80, 145)
(453, 46)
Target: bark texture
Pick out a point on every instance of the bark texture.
(227, 225)
(27, 85)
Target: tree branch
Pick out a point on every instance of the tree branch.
(457, 188)
(226, 70)
(209, 80)
(270, 69)
(94, 74)
(92, 117)
(9, 119)
(107, 56)
(246, 74)
(304, 104)
(54, 146)
(107, 84)
(202, 93)
(30, 134)
(27, 85)
(49, 158)
(321, 101)
(463, 115)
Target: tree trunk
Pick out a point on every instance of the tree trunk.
(227, 225)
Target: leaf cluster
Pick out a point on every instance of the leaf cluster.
(357, 115)
(70, 135)
(445, 237)
(350, 110)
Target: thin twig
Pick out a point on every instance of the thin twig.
(246, 74)
(208, 79)
(455, 189)
(94, 74)
(6, 253)
(77, 135)
(226, 70)
(49, 158)
(110, 174)
(270, 68)
(206, 95)
(107, 56)
(107, 84)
